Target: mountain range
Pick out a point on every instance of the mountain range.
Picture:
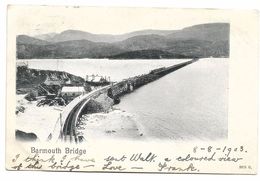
(203, 40)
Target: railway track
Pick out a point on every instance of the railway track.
(69, 127)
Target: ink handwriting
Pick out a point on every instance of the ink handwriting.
(183, 162)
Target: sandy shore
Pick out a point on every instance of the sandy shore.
(34, 119)
(116, 124)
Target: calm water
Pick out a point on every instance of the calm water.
(116, 69)
(190, 103)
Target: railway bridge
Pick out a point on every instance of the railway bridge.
(71, 114)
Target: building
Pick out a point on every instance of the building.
(96, 80)
(72, 91)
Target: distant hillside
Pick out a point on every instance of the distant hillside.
(24, 39)
(69, 35)
(84, 49)
(68, 49)
(199, 48)
(207, 32)
(206, 40)
(147, 54)
(144, 42)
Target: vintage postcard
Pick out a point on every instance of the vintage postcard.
(103, 89)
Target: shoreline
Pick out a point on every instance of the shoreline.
(113, 124)
(116, 124)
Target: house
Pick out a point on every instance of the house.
(96, 80)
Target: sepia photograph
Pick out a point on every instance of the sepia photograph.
(147, 84)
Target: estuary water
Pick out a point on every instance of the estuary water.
(190, 103)
(116, 69)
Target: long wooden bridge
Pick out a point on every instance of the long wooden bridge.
(71, 114)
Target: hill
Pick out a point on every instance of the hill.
(69, 35)
(205, 40)
(24, 39)
(207, 32)
(68, 49)
(147, 54)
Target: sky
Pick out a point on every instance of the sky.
(33, 20)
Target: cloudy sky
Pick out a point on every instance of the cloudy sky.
(33, 20)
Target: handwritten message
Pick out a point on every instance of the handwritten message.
(189, 162)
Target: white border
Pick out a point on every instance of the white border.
(223, 4)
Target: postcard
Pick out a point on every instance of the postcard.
(119, 89)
